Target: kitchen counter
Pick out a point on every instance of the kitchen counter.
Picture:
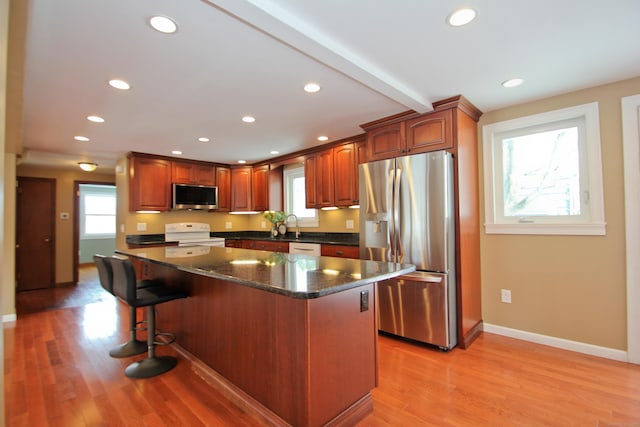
(291, 339)
(347, 239)
(292, 275)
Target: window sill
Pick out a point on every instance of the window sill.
(594, 229)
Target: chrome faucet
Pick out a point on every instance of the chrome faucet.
(297, 227)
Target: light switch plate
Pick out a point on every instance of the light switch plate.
(141, 226)
(349, 224)
(227, 225)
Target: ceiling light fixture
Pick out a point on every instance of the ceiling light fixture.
(203, 139)
(323, 138)
(163, 24)
(461, 17)
(95, 119)
(512, 82)
(248, 119)
(87, 166)
(242, 162)
(274, 152)
(81, 138)
(119, 84)
(311, 87)
(176, 152)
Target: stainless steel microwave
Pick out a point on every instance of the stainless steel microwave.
(194, 197)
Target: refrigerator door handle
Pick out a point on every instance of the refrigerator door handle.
(398, 251)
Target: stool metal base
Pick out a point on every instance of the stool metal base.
(130, 348)
(150, 367)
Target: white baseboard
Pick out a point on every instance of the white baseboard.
(6, 318)
(593, 350)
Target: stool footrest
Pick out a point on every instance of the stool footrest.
(130, 348)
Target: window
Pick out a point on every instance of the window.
(97, 211)
(294, 197)
(543, 174)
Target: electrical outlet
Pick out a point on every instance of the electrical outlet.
(141, 226)
(505, 296)
(227, 225)
(263, 224)
(349, 224)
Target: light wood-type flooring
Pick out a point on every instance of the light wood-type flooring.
(58, 373)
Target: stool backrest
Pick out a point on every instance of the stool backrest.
(124, 280)
(105, 273)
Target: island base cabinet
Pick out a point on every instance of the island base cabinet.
(311, 362)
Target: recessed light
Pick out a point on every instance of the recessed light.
(176, 152)
(323, 138)
(163, 24)
(81, 138)
(461, 17)
(203, 139)
(512, 82)
(119, 84)
(248, 119)
(274, 152)
(95, 119)
(311, 87)
(242, 161)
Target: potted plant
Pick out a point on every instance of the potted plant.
(277, 220)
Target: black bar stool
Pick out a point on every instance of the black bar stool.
(134, 346)
(124, 287)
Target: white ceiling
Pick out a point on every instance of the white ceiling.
(230, 58)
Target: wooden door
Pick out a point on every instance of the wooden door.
(223, 181)
(345, 169)
(430, 132)
(149, 184)
(260, 188)
(35, 233)
(241, 189)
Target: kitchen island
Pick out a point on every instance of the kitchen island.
(291, 338)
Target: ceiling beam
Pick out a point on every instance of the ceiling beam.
(281, 25)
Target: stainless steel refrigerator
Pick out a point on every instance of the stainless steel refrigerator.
(407, 216)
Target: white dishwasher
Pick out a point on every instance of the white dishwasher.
(304, 248)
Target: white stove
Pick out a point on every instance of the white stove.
(191, 234)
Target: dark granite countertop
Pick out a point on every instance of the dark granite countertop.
(293, 275)
(347, 239)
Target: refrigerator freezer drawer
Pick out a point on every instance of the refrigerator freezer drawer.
(417, 308)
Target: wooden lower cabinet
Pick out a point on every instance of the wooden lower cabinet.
(307, 362)
(267, 245)
(341, 251)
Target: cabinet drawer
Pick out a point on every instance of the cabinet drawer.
(341, 251)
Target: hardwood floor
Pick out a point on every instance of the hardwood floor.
(58, 373)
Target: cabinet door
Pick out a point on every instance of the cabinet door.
(260, 188)
(205, 175)
(182, 172)
(149, 184)
(386, 142)
(241, 189)
(430, 132)
(223, 180)
(324, 179)
(310, 172)
(345, 170)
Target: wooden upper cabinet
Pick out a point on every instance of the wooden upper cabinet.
(310, 168)
(345, 168)
(260, 188)
(241, 189)
(386, 142)
(430, 132)
(223, 181)
(192, 173)
(149, 184)
(318, 176)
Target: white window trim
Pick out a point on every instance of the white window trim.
(302, 222)
(596, 224)
(87, 190)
